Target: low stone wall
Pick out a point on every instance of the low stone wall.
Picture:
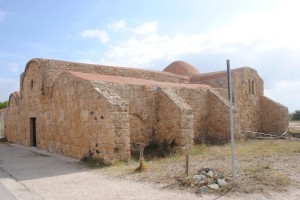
(274, 117)
(2, 114)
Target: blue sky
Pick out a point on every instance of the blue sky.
(263, 34)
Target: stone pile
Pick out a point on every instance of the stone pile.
(206, 179)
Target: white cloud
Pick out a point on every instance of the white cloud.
(146, 28)
(286, 92)
(265, 40)
(268, 30)
(248, 39)
(3, 14)
(8, 86)
(264, 31)
(13, 67)
(85, 61)
(119, 25)
(95, 33)
(140, 52)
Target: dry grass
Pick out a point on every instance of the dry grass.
(261, 165)
(294, 128)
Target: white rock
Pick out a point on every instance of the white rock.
(206, 169)
(222, 182)
(197, 178)
(210, 174)
(213, 186)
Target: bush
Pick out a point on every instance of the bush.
(158, 148)
(3, 104)
(296, 115)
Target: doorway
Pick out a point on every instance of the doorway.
(33, 132)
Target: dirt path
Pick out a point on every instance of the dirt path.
(29, 174)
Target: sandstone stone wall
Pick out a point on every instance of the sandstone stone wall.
(175, 119)
(2, 114)
(218, 118)
(108, 117)
(274, 117)
(51, 69)
(146, 118)
(197, 100)
(142, 101)
(22, 109)
(12, 129)
(93, 123)
(247, 90)
(218, 80)
(58, 124)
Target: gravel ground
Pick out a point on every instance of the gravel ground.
(265, 169)
(30, 174)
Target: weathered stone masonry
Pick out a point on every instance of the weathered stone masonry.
(2, 113)
(107, 112)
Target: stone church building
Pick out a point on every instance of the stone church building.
(108, 112)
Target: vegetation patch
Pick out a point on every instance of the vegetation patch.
(262, 166)
(3, 139)
(142, 167)
(157, 149)
(3, 104)
(93, 162)
(295, 115)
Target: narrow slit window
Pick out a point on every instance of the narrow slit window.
(31, 84)
(249, 86)
(253, 91)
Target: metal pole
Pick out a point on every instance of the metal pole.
(231, 122)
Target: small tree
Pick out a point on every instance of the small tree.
(296, 115)
(3, 104)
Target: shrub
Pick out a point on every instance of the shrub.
(3, 104)
(157, 148)
(296, 115)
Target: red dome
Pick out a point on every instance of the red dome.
(181, 68)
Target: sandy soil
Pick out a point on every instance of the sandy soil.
(295, 124)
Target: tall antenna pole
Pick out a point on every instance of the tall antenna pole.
(231, 123)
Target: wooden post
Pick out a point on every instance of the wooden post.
(187, 164)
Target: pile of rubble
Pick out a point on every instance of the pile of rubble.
(206, 179)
